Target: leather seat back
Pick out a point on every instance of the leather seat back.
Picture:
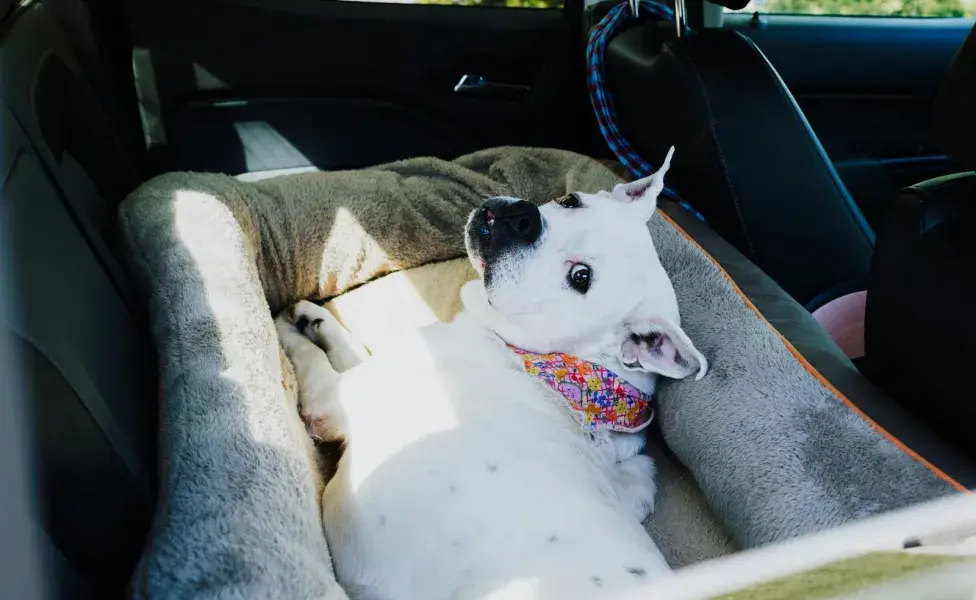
(71, 315)
(955, 115)
(745, 155)
(920, 340)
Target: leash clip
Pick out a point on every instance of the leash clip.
(679, 12)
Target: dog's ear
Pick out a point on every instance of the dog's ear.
(643, 193)
(659, 346)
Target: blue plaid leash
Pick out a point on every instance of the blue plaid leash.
(606, 116)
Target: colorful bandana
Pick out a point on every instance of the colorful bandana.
(601, 398)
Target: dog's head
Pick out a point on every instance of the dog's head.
(580, 275)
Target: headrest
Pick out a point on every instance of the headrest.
(730, 4)
(956, 106)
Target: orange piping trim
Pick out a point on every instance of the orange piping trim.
(812, 371)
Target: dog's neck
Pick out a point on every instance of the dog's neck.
(476, 305)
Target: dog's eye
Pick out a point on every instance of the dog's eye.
(579, 277)
(570, 201)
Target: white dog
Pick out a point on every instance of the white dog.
(466, 472)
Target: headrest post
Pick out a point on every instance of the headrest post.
(679, 17)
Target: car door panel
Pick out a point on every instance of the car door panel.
(223, 53)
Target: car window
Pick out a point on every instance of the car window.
(488, 3)
(875, 8)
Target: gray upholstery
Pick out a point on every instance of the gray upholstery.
(70, 316)
(776, 450)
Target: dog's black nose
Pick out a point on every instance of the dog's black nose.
(520, 220)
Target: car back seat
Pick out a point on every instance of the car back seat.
(72, 314)
(747, 158)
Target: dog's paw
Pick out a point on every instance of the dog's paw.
(310, 320)
(635, 485)
(288, 334)
(627, 445)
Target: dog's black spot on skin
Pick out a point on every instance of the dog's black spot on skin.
(680, 360)
(553, 539)
(637, 571)
(457, 543)
(316, 322)
(492, 468)
(301, 323)
(382, 521)
(596, 581)
(452, 488)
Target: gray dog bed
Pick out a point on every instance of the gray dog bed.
(775, 450)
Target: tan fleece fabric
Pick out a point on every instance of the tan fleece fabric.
(318, 235)
(890, 575)
(682, 525)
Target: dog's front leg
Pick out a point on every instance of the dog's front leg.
(632, 472)
(317, 379)
(635, 487)
(627, 445)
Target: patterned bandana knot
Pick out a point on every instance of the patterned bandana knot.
(601, 398)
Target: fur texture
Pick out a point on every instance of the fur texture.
(380, 312)
(775, 452)
(456, 457)
(449, 496)
(238, 515)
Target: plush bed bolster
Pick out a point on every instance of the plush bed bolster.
(776, 446)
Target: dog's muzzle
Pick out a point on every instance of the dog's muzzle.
(501, 224)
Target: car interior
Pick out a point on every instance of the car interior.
(830, 151)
